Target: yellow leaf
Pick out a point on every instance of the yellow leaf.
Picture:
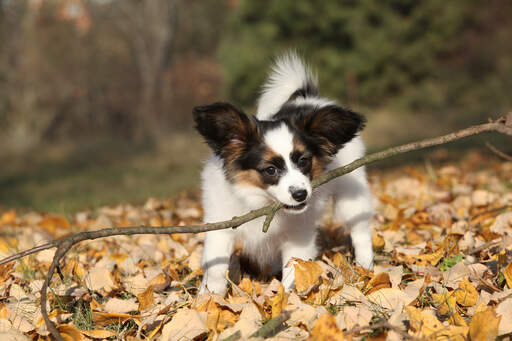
(246, 285)
(54, 222)
(70, 333)
(466, 295)
(484, 325)
(102, 319)
(98, 333)
(325, 328)
(508, 275)
(423, 260)
(377, 241)
(379, 281)
(448, 307)
(146, 299)
(306, 274)
(279, 301)
(423, 323)
(8, 218)
(159, 282)
(213, 315)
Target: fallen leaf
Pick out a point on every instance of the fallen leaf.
(307, 274)
(504, 310)
(98, 333)
(484, 325)
(278, 302)
(508, 275)
(70, 333)
(187, 324)
(379, 281)
(99, 279)
(325, 328)
(8, 218)
(53, 222)
(466, 294)
(146, 299)
(119, 306)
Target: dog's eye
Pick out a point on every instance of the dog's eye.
(304, 162)
(272, 171)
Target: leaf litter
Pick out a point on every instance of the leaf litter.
(443, 270)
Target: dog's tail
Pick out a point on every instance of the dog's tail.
(290, 78)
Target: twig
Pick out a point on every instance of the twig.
(502, 125)
(498, 152)
(271, 326)
(383, 325)
(484, 246)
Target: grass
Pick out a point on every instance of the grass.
(66, 179)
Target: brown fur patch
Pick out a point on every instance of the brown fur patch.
(298, 145)
(318, 166)
(250, 177)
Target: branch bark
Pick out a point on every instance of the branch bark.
(63, 245)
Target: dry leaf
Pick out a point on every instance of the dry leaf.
(379, 281)
(504, 310)
(508, 275)
(484, 325)
(100, 279)
(377, 241)
(187, 324)
(278, 301)
(98, 333)
(119, 306)
(53, 222)
(70, 333)
(146, 299)
(466, 295)
(390, 298)
(425, 324)
(325, 328)
(8, 218)
(159, 282)
(307, 274)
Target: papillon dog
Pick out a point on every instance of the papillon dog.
(295, 136)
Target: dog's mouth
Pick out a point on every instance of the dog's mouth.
(298, 207)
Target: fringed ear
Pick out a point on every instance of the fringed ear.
(224, 126)
(330, 127)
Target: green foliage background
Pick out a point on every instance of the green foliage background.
(416, 56)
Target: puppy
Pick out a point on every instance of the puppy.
(273, 157)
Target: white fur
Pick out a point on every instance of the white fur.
(281, 141)
(289, 235)
(288, 74)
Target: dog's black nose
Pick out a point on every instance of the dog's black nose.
(298, 194)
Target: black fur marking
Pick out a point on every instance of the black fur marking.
(326, 129)
(308, 90)
(221, 124)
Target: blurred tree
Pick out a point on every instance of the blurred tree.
(377, 53)
(86, 68)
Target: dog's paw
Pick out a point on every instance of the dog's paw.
(364, 257)
(288, 280)
(213, 284)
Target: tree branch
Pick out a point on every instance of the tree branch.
(502, 125)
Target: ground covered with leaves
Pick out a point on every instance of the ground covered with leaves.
(443, 270)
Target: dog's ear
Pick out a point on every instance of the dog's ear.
(224, 126)
(330, 127)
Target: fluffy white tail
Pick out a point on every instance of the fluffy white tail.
(290, 77)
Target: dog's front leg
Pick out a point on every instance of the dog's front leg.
(353, 206)
(218, 247)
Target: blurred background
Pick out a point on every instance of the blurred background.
(96, 95)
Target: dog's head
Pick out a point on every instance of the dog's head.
(277, 159)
